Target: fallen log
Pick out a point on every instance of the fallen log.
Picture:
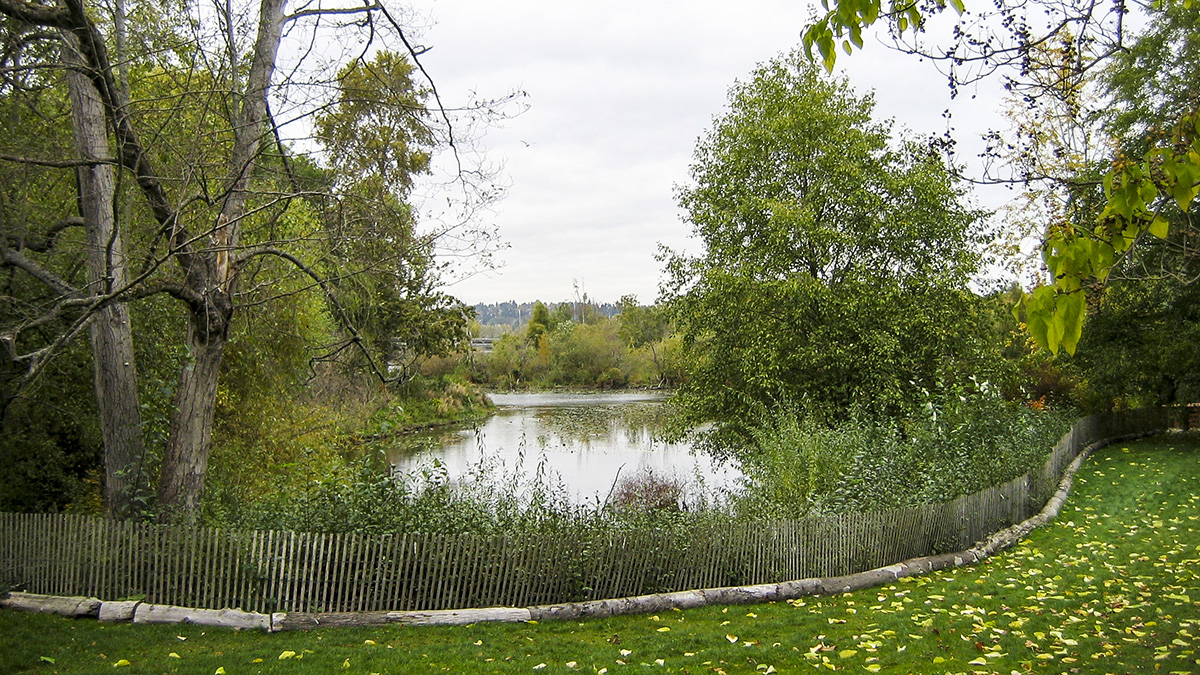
(281, 621)
(75, 606)
(229, 618)
(118, 610)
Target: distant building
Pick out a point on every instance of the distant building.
(482, 344)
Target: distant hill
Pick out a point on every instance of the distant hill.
(515, 314)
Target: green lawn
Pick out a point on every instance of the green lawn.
(1111, 586)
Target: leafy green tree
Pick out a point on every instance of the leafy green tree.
(1139, 190)
(539, 323)
(586, 354)
(646, 329)
(836, 262)
(1138, 349)
(641, 325)
(562, 314)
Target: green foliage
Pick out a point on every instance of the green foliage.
(632, 349)
(386, 274)
(278, 450)
(585, 354)
(835, 265)
(1139, 347)
(641, 326)
(539, 324)
(50, 442)
(1140, 187)
(377, 131)
(961, 444)
(1141, 323)
(845, 20)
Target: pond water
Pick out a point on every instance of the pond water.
(584, 442)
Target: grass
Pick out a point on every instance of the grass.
(1111, 586)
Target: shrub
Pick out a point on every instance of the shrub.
(648, 491)
(963, 443)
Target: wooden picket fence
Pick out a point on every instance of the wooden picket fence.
(273, 571)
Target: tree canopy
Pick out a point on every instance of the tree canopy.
(835, 264)
(1140, 187)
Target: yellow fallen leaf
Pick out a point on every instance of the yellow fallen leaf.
(478, 642)
(874, 667)
(571, 664)
(539, 666)
(847, 653)
(122, 662)
(346, 664)
(978, 662)
(369, 642)
(731, 638)
(286, 655)
(938, 659)
(257, 661)
(220, 670)
(664, 629)
(173, 655)
(625, 652)
(659, 662)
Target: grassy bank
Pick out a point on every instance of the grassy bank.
(1109, 587)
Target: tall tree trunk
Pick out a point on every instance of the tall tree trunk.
(126, 485)
(210, 278)
(185, 460)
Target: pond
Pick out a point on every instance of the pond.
(583, 442)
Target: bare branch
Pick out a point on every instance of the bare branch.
(47, 243)
(55, 163)
(365, 9)
(343, 318)
(56, 283)
(38, 15)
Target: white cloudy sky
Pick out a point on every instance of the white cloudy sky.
(618, 93)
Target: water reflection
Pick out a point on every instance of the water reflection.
(584, 441)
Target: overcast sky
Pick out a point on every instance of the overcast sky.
(618, 93)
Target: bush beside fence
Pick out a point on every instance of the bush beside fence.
(272, 571)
